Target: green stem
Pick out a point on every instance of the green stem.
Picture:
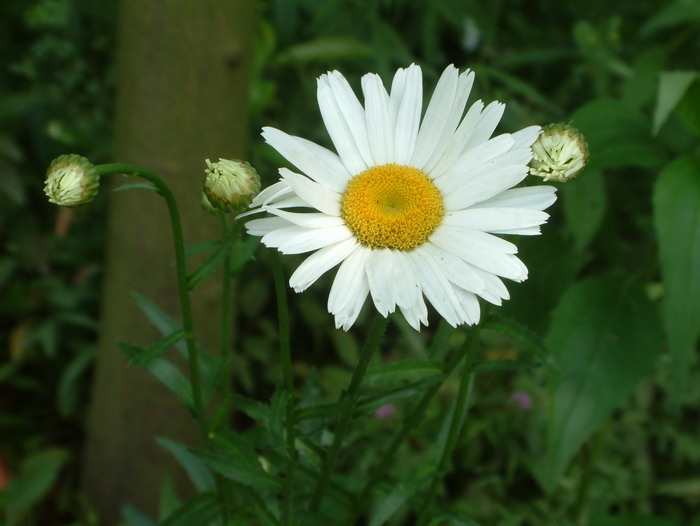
(457, 420)
(347, 402)
(288, 385)
(181, 271)
(413, 419)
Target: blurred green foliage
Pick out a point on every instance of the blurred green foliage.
(608, 436)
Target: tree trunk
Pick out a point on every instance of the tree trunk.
(182, 97)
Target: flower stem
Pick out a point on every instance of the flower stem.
(346, 403)
(457, 420)
(413, 419)
(181, 271)
(288, 385)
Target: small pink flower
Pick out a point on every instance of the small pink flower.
(522, 399)
(384, 412)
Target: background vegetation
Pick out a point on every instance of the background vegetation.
(609, 436)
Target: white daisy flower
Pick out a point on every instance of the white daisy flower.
(407, 207)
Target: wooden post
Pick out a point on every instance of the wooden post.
(183, 75)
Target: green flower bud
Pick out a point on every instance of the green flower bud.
(71, 180)
(230, 186)
(559, 153)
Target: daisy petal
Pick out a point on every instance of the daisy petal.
(320, 164)
(482, 250)
(466, 163)
(436, 117)
(408, 116)
(496, 219)
(297, 240)
(417, 314)
(484, 182)
(488, 121)
(532, 197)
(319, 263)
(339, 130)
(321, 198)
(392, 280)
(260, 227)
(310, 220)
(456, 143)
(437, 289)
(349, 282)
(457, 270)
(380, 129)
(443, 152)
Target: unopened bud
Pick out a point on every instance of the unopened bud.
(230, 186)
(71, 180)
(559, 153)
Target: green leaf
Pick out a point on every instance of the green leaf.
(69, 393)
(605, 340)
(678, 13)
(156, 351)
(231, 456)
(585, 202)
(522, 335)
(677, 222)
(629, 519)
(168, 500)
(37, 475)
(199, 474)
(401, 492)
(134, 517)
(325, 49)
(211, 263)
(402, 372)
(200, 510)
(617, 135)
(168, 374)
(672, 87)
(504, 365)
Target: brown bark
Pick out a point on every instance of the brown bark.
(182, 97)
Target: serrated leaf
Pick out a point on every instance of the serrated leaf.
(200, 510)
(402, 372)
(677, 222)
(199, 474)
(605, 339)
(672, 87)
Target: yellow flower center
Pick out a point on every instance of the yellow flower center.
(392, 206)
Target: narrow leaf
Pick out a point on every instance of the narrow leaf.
(200, 510)
(199, 474)
(169, 375)
(402, 372)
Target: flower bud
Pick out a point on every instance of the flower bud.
(559, 153)
(230, 186)
(71, 180)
